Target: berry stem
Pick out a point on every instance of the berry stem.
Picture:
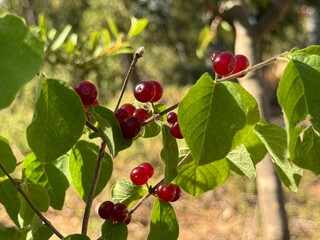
(158, 115)
(138, 54)
(255, 67)
(93, 187)
(30, 203)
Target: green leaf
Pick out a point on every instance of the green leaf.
(255, 147)
(7, 158)
(83, 160)
(39, 230)
(313, 50)
(59, 40)
(241, 159)
(109, 129)
(204, 39)
(137, 26)
(298, 92)
(169, 155)
(211, 115)
(94, 41)
(195, 179)
(111, 231)
(308, 151)
(163, 225)
(20, 59)
(58, 120)
(38, 196)
(275, 139)
(113, 27)
(12, 233)
(76, 237)
(126, 192)
(49, 175)
(9, 199)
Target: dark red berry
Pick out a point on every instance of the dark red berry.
(127, 220)
(144, 91)
(148, 167)
(223, 63)
(129, 108)
(166, 193)
(141, 114)
(159, 91)
(139, 176)
(172, 118)
(105, 209)
(241, 63)
(121, 114)
(130, 127)
(175, 130)
(87, 91)
(177, 194)
(119, 212)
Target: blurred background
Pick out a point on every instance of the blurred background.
(179, 39)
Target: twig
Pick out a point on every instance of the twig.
(93, 187)
(138, 54)
(158, 115)
(254, 67)
(30, 203)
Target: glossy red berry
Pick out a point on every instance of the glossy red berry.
(105, 209)
(159, 91)
(214, 55)
(172, 118)
(241, 63)
(177, 194)
(141, 114)
(130, 108)
(223, 63)
(166, 193)
(139, 176)
(175, 130)
(119, 212)
(87, 91)
(149, 168)
(121, 114)
(130, 127)
(144, 91)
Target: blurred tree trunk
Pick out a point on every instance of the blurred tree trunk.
(248, 41)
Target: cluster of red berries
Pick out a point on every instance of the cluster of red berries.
(131, 118)
(172, 119)
(140, 176)
(225, 63)
(115, 212)
(88, 93)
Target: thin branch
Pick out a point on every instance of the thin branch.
(30, 203)
(158, 115)
(93, 187)
(138, 54)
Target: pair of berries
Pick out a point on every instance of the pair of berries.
(172, 119)
(225, 63)
(130, 119)
(115, 212)
(170, 193)
(141, 174)
(148, 91)
(88, 93)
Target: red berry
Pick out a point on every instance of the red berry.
(214, 55)
(177, 194)
(119, 212)
(139, 176)
(121, 114)
(175, 130)
(166, 193)
(87, 91)
(172, 118)
(95, 103)
(144, 91)
(223, 63)
(159, 91)
(130, 127)
(242, 63)
(129, 108)
(148, 167)
(141, 114)
(127, 220)
(105, 210)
